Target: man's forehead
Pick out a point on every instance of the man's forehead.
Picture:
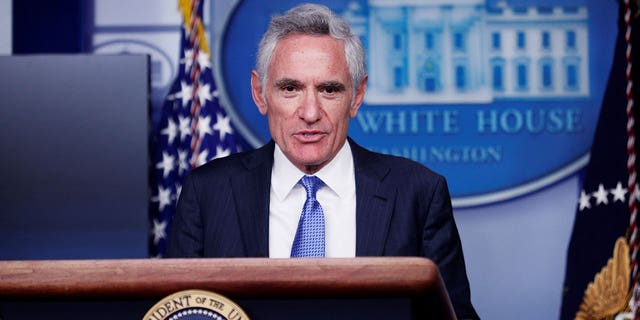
(308, 59)
(303, 44)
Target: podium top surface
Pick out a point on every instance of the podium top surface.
(237, 277)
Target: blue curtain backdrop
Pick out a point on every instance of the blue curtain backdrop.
(57, 26)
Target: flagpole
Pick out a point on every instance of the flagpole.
(631, 159)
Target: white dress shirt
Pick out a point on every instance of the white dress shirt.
(337, 198)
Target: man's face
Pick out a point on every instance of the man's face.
(308, 99)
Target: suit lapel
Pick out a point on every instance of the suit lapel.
(374, 202)
(252, 189)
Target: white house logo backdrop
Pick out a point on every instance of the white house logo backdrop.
(501, 97)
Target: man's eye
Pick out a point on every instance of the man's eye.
(289, 88)
(332, 88)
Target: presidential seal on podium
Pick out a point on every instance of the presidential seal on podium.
(195, 305)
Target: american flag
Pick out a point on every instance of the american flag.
(602, 279)
(193, 127)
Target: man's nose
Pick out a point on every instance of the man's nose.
(310, 110)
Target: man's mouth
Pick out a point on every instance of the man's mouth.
(310, 136)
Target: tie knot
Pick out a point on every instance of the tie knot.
(311, 184)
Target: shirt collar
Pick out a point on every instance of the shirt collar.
(285, 175)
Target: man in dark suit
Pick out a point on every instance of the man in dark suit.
(312, 191)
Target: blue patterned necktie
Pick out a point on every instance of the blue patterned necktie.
(309, 239)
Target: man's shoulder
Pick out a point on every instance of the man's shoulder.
(237, 162)
(395, 165)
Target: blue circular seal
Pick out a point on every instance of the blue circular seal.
(195, 305)
(500, 97)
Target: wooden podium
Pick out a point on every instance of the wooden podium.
(258, 285)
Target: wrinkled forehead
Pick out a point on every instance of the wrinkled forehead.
(309, 58)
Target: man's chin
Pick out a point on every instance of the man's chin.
(312, 165)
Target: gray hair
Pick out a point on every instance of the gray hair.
(312, 19)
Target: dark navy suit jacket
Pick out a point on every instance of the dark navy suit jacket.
(402, 209)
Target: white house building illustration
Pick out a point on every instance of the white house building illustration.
(465, 51)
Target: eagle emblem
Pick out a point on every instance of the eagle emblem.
(608, 294)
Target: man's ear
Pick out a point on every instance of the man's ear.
(257, 94)
(357, 101)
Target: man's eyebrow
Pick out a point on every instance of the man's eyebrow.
(335, 85)
(286, 82)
